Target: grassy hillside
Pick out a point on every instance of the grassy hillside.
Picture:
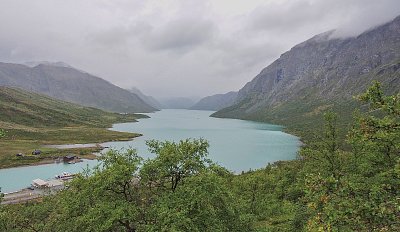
(32, 120)
(301, 118)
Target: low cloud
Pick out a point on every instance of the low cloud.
(176, 48)
(181, 34)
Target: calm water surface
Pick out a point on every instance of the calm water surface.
(13, 179)
(235, 144)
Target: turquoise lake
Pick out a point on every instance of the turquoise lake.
(237, 145)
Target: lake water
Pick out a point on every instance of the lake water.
(13, 179)
(235, 144)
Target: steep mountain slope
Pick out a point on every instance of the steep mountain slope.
(71, 85)
(148, 99)
(215, 102)
(320, 74)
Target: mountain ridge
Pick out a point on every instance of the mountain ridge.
(215, 102)
(320, 73)
(150, 100)
(70, 84)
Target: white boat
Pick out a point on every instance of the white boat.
(65, 176)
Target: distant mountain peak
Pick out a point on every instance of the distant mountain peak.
(215, 102)
(147, 99)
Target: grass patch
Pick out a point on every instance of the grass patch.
(32, 121)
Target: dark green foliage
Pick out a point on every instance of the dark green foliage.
(331, 189)
(203, 203)
(364, 196)
(178, 190)
(324, 150)
(175, 161)
(325, 189)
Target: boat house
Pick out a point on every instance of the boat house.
(39, 183)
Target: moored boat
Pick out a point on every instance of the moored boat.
(65, 176)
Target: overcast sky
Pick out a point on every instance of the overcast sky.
(175, 48)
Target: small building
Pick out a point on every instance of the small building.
(36, 152)
(69, 158)
(39, 183)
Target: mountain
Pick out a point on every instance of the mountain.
(148, 99)
(215, 102)
(177, 103)
(21, 108)
(63, 82)
(321, 73)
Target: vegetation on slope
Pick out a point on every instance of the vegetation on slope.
(325, 189)
(320, 74)
(72, 85)
(304, 115)
(32, 120)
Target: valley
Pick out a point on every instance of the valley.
(212, 116)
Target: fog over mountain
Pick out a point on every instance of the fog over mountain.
(176, 48)
(320, 74)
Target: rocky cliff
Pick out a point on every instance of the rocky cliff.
(321, 73)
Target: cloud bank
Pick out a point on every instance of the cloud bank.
(176, 48)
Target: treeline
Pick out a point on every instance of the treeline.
(333, 185)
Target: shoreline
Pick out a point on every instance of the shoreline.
(91, 156)
(51, 161)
